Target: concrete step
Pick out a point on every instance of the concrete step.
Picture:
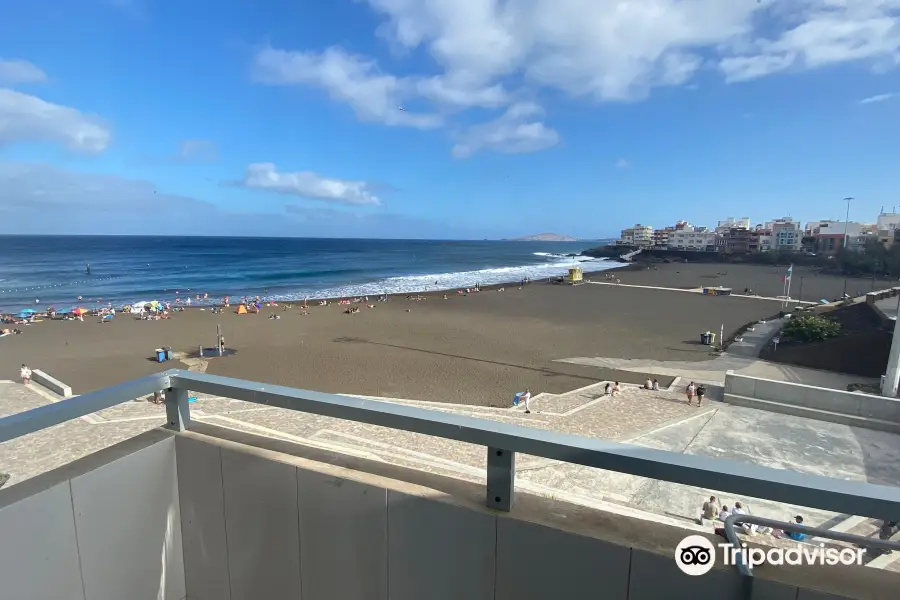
(813, 413)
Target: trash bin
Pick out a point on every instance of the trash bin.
(712, 338)
(160, 355)
(168, 350)
(705, 339)
(517, 398)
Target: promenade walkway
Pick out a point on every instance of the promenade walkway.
(699, 290)
(640, 417)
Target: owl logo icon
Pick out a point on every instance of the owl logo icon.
(695, 555)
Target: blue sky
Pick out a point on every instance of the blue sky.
(443, 118)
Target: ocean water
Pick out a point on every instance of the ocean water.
(40, 271)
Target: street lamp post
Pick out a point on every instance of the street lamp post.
(846, 237)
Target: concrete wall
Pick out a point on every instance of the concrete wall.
(106, 527)
(873, 297)
(51, 383)
(259, 524)
(742, 390)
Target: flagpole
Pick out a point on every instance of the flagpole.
(783, 290)
(789, 279)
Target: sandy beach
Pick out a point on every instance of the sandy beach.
(475, 349)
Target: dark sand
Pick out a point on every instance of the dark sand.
(477, 349)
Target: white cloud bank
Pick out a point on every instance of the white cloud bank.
(493, 53)
(306, 184)
(516, 131)
(69, 202)
(28, 118)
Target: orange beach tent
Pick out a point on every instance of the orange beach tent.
(242, 309)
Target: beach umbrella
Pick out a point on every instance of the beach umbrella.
(26, 312)
(79, 311)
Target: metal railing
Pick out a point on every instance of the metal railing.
(746, 569)
(503, 441)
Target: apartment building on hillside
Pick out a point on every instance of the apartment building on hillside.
(693, 238)
(639, 235)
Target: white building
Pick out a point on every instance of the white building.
(888, 221)
(853, 229)
(786, 233)
(639, 235)
(691, 238)
(732, 223)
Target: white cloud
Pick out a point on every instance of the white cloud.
(20, 71)
(494, 53)
(373, 95)
(517, 131)
(28, 118)
(878, 98)
(622, 164)
(306, 184)
(819, 33)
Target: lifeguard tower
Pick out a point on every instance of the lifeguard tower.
(576, 276)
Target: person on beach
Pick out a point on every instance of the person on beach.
(525, 398)
(648, 385)
(691, 388)
(25, 373)
(710, 510)
(655, 385)
(606, 389)
(616, 389)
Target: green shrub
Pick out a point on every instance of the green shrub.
(811, 328)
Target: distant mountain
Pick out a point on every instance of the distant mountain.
(544, 237)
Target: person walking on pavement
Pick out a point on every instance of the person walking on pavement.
(888, 529)
(525, 398)
(25, 373)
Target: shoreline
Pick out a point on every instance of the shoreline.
(218, 300)
(313, 301)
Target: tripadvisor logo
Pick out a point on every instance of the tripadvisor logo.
(696, 555)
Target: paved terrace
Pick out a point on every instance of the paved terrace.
(644, 418)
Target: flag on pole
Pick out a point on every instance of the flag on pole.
(787, 277)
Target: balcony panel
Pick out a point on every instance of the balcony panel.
(431, 543)
(344, 529)
(527, 553)
(129, 525)
(202, 503)
(105, 527)
(38, 548)
(261, 523)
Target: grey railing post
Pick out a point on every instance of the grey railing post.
(501, 478)
(178, 411)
